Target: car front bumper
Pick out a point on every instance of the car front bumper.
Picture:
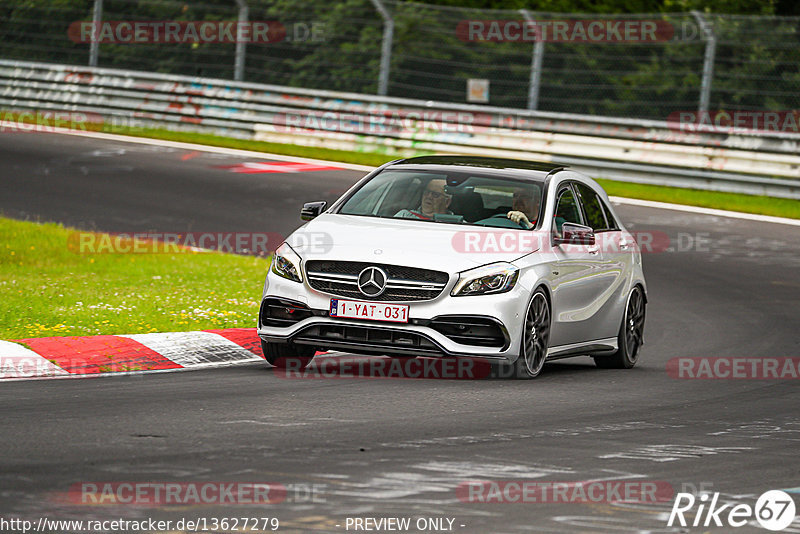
(423, 335)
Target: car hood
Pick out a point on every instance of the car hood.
(439, 246)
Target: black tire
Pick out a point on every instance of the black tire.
(631, 334)
(535, 338)
(284, 355)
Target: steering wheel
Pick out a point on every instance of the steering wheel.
(504, 216)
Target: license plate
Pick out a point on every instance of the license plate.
(374, 311)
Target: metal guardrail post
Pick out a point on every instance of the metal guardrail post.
(386, 46)
(708, 60)
(241, 46)
(94, 46)
(536, 65)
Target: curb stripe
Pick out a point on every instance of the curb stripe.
(118, 355)
(260, 167)
(17, 361)
(98, 354)
(110, 355)
(243, 337)
(195, 349)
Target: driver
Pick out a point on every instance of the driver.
(434, 200)
(524, 207)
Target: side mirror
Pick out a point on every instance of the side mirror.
(312, 209)
(575, 234)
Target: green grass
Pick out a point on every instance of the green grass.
(49, 290)
(778, 207)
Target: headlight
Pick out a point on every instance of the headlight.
(286, 263)
(494, 278)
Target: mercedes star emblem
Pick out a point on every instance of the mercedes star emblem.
(372, 281)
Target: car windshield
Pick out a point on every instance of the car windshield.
(448, 197)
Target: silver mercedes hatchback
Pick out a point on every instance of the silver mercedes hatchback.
(512, 262)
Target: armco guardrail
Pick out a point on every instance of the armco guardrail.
(622, 149)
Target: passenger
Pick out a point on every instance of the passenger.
(434, 200)
(524, 207)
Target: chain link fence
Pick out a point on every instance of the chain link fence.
(690, 61)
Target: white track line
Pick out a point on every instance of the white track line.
(92, 376)
(214, 149)
(354, 167)
(17, 361)
(705, 211)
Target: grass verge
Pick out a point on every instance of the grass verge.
(49, 290)
(761, 205)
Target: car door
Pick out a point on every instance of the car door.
(617, 248)
(582, 279)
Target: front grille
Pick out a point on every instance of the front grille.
(403, 284)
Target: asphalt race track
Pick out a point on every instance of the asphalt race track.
(398, 447)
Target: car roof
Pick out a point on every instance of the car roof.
(480, 162)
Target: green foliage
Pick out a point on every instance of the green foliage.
(755, 65)
(742, 7)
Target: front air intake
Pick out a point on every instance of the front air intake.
(281, 313)
(471, 330)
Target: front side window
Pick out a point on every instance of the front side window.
(566, 209)
(592, 208)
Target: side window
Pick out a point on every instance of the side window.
(612, 223)
(566, 209)
(592, 208)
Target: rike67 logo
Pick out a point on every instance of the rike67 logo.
(774, 510)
